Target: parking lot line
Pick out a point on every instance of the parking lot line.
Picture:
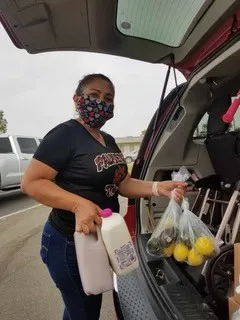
(20, 211)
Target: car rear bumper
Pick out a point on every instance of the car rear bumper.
(131, 302)
(134, 300)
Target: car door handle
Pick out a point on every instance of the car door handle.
(24, 158)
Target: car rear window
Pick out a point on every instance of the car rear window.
(5, 145)
(165, 21)
(201, 130)
(27, 145)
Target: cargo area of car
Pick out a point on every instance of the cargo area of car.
(177, 145)
(209, 91)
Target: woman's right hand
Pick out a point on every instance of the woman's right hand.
(87, 215)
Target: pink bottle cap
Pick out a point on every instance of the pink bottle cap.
(106, 213)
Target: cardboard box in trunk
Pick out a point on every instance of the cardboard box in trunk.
(234, 301)
(233, 307)
(236, 270)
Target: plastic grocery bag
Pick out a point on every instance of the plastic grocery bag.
(236, 315)
(163, 238)
(195, 243)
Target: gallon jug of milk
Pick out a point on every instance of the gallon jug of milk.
(117, 240)
(93, 263)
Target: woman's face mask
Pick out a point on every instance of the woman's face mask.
(94, 112)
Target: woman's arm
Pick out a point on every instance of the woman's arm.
(134, 188)
(38, 183)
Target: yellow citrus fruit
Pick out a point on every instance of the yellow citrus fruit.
(180, 252)
(204, 245)
(194, 259)
(169, 250)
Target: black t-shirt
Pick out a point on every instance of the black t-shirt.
(84, 166)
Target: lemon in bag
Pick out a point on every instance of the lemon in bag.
(204, 245)
(194, 258)
(180, 252)
(169, 250)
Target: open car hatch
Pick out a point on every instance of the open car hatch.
(146, 30)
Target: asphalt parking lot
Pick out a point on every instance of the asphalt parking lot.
(27, 292)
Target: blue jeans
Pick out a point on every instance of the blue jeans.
(58, 253)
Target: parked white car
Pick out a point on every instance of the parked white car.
(15, 155)
(131, 156)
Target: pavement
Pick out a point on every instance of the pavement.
(14, 201)
(27, 291)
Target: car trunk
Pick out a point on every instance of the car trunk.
(173, 146)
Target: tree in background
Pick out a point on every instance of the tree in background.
(3, 123)
(143, 133)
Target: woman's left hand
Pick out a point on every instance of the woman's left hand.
(166, 187)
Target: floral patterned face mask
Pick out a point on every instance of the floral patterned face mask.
(94, 112)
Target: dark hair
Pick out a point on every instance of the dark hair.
(89, 78)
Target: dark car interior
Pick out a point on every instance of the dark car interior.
(213, 160)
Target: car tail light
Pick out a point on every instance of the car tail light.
(130, 219)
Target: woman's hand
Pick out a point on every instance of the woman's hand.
(166, 187)
(87, 215)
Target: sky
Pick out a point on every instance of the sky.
(37, 90)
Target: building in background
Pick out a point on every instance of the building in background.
(129, 144)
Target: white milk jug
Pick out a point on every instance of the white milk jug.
(118, 242)
(93, 263)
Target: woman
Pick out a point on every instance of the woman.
(79, 170)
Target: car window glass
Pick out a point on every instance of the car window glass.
(5, 145)
(168, 22)
(27, 145)
(201, 130)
